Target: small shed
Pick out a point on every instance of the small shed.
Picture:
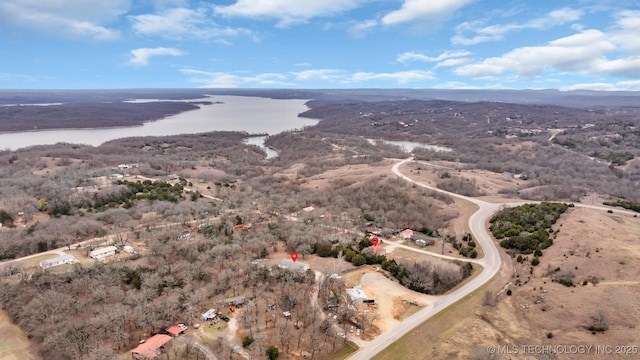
(175, 330)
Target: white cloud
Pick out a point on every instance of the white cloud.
(320, 74)
(208, 79)
(21, 77)
(70, 18)
(178, 23)
(497, 32)
(416, 9)
(287, 12)
(632, 85)
(453, 62)
(628, 66)
(362, 28)
(626, 31)
(414, 56)
(140, 57)
(591, 86)
(456, 85)
(344, 77)
(401, 77)
(580, 53)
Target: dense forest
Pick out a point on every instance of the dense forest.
(66, 193)
(329, 186)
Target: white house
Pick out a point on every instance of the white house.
(101, 253)
(59, 260)
(358, 295)
(115, 176)
(293, 266)
(209, 315)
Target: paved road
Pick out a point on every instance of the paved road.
(490, 263)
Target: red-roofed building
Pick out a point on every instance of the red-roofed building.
(406, 234)
(175, 330)
(152, 348)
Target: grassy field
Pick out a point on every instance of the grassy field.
(345, 352)
(34, 261)
(14, 344)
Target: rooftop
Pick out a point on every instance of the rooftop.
(175, 330)
(152, 347)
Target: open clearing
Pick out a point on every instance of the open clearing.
(393, 301)
(606, 254)
(14, 344)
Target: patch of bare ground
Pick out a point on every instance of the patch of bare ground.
(486, 182)
(45, 165)
(394, 302)
(349, 173)
(597, 254)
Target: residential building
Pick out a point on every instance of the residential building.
(175, 331)
(406, 234)
(360, 296)
(235, 301)
(101, 253)
(208, 315)
(294, 266)
(153, 348)
(59, 260)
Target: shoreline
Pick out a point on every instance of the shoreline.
(133, 125)
(256, 116)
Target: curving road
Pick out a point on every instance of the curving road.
(490, 263)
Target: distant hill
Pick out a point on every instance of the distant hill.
(578, 98)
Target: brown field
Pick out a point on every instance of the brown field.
(487, 182)
(14, 344)
(606, 254)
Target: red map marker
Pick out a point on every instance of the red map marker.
(375, 241)
(294, 256)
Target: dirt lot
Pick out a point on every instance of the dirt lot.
(394, 302)
(600, 248)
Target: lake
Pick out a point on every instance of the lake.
(254, 115)
(409, 146)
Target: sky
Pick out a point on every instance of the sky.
(320, 44)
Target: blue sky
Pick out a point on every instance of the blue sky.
(582, 44)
